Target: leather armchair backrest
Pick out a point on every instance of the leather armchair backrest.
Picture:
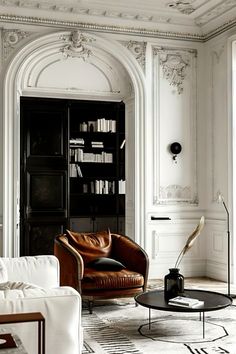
(91, 245)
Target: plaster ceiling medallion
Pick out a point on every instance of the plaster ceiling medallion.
(185, 7)
(76, 45)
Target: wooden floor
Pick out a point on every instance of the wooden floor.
(198, 283)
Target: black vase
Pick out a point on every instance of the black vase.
(173, 284)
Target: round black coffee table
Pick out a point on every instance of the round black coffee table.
(212, 301)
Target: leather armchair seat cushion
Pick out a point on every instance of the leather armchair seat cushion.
(122, 279)
(91, 245)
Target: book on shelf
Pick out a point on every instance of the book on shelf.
(97, 144)
(78, 142)
(121, 186)
(185, 302)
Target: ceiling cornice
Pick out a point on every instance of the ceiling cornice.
(40, 21)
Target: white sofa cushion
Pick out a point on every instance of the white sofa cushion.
(39, 270)
(3, 272)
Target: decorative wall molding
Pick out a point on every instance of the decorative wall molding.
(216, 55)
(17, 75)
(76, 45)
(174, 64)
(76, 65)
(175, 193)
(174, 183)
(218, 52)
(11, 39)
(138, 49)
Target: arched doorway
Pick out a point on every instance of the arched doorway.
(33, 73)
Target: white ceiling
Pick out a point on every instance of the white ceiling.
(199, 17)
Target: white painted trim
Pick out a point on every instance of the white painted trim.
(12, 89)
(232, 145)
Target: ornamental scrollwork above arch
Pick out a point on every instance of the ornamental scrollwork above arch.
(138, 49)
(76, 45)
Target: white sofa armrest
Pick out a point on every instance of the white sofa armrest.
(61, 308)
(39, 270)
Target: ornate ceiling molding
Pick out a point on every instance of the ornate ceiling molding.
(215, 12)
(185, 7)
(59, 24)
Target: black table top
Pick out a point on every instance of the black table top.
(212, 301)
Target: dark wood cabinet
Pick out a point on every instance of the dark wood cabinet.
(72, 169)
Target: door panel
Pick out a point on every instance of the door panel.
(44, 171)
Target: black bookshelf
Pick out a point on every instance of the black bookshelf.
(72, 169)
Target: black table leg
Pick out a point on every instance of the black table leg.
(149, 322)
(203, 324)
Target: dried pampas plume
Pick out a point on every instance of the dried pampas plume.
(190, 240)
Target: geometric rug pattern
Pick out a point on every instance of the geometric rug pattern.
(114, 326)
(113, 329)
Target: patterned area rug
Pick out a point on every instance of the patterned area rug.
(113, 329)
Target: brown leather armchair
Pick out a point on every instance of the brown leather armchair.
(82, 256)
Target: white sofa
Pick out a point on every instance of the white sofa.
(31, 284)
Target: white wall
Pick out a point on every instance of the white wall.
(192, 112)
(219, 154)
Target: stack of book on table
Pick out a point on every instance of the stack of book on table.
(185, 302)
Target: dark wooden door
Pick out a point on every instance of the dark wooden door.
(44, 174)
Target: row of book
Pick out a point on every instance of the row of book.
(100, 125)
(76, 143)
(187, 302)
(102, 187)
(79, 143)
(78, 155)
(99, 187)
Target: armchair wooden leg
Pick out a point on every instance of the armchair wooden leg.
(90, 306)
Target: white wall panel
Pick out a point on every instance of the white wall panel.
(174, 120)
(165, 241)
(216, 250)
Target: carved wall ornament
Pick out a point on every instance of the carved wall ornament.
(11, 39)
(138, 49)
(176, 193)
(174, 69)
(218, 53)
(76, 45)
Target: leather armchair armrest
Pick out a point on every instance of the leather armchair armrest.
(130, 254)
(71, 263)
